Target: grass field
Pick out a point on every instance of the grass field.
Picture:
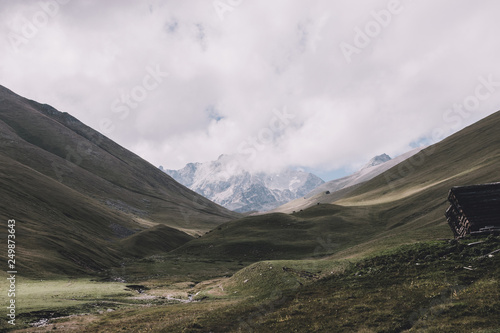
(439, 286)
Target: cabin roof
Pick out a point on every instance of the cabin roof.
(478, 204)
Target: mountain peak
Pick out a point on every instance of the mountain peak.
(379, 159)
(228, 182)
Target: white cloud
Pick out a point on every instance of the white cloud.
(225, 77)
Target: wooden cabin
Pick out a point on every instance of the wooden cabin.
(474, 209)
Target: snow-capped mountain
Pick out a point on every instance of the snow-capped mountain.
(373, 168)
(228, 183)
(377, 160)
(326, 191)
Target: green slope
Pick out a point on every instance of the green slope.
(315, 232)
(412, 197)
(335, 267)
(75, 193)
(470, 156)
(439, 286)
(425, 287)
(158, 239)
(403, 205)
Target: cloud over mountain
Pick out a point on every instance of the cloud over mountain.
(420, 71)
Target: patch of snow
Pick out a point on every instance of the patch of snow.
(228, 183)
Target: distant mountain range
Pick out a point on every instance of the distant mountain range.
(231, 185)
(227, 182)
(374, 167)
(404, 204)
(377, 165)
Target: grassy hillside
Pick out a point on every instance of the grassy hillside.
(155, 240)
(338, 188)
(377, 257)
(470, 156)
(403, 205)
(422, 286)
(315, 232)
(75, 193)
(297, 205)
(439, 286)
(412, 197)
(431, 287)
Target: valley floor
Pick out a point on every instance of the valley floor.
(438, 286)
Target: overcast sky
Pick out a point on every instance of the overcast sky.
(323, 85)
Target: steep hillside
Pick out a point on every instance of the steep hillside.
(231, 184)
(426, 287)
(402, 205)
(470, 156)
(316, 232)
(158, 239)
(75, 193)
(356, 276)
(412, 197)
(338, 188)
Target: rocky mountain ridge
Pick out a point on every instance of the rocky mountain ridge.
(231, 185)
